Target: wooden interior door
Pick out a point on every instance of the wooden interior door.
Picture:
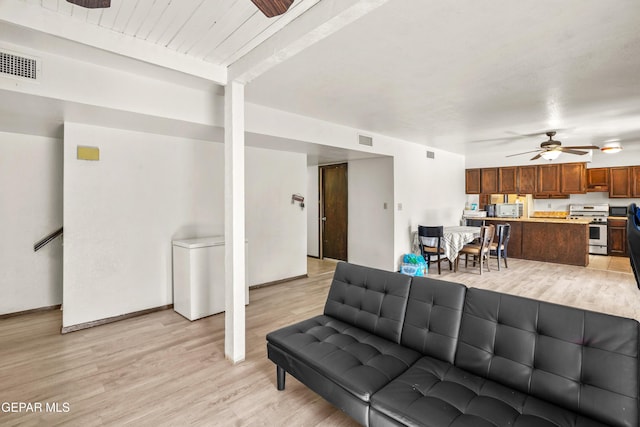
(333, 211)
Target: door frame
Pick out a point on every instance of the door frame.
(321, 209)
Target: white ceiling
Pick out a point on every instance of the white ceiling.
(444, 74)
(215, 31)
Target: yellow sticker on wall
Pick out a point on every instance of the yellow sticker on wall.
(88, 153)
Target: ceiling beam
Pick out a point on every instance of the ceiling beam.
(45, 21)
(320, 21)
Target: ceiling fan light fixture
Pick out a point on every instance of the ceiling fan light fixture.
(551, 154)
(611, 147)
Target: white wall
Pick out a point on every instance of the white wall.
(313, 232)
(370, 235)
(89, 84)
(121, 213)
(275, 227)
(588, 198)
(30, 208)
(431, 192)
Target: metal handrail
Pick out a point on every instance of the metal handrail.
(41, 243)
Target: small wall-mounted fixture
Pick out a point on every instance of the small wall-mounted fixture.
(611, 147)
(88, 153)
(297, 198)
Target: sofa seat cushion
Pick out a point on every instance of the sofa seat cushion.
(436, 393)
(356, 360)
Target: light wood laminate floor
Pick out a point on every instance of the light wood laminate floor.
(161, 369)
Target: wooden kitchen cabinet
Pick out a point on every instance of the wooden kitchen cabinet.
(572, 178)
(617, 237)
(562, 243)
(619, 182)
(472, 181)
(598, 179)
(635, 181)
(548, 181)
(489, 180)
(527, 176)
(508, 180)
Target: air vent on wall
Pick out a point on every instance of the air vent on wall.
(365, 140)
(18, 66)
(431, 155)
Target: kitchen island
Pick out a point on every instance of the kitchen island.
(558, 240)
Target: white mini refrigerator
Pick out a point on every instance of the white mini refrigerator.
(198, 276)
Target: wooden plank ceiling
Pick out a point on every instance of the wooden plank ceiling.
(216, 31)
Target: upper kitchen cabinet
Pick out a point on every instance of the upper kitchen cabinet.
(508, 180)
(598, 179)
(572, 178)
(548, 180)
(472, 181)
(527, 176)
(619, 182)
(489, 180)
(635, 181)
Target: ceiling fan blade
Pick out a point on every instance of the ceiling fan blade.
(91, 4)
(541, 133)
(536, 157)
(526, 152)
(272, 8)
(504, 138)
(568, 150)
(585, 147)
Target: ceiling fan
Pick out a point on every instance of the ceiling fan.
(91, 4)
(272, 8)
(552, 148)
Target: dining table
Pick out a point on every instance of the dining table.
(453, 240)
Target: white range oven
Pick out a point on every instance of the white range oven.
(597, 228)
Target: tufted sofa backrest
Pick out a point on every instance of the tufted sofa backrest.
(584, 361)
(371, 299)
(432, 322)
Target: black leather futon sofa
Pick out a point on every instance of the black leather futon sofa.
(394, 350)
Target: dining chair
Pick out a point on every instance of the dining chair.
(430, 241)
(480, 252)
(499, 247)
(474, 222)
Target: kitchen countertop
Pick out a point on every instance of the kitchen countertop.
(609, 218)
(546, 220)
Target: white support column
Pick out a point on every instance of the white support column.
(234, 318)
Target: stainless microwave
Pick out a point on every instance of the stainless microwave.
(509, 210)
(618, 211)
